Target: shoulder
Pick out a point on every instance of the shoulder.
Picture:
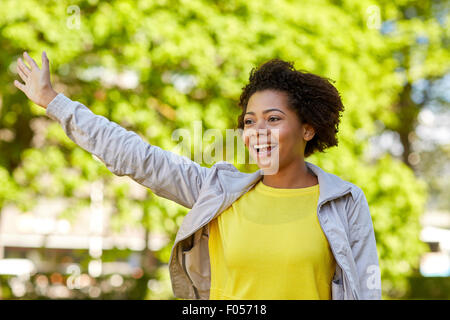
(357, 198)
(357, 192)
(334, 183)
(231, 179)
(358, 210)
(225, 165)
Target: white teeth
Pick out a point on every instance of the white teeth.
(262, 146)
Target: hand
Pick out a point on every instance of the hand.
(37, 87)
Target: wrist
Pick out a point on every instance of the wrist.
(47, 97)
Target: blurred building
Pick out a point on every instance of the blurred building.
(62, 255)
(436, 233)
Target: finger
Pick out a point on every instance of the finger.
(22, 75)
(30, 61)
(23, 66)
(24, 71)
(45, 61)
(19, 85)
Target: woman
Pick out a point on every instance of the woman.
(287, 231)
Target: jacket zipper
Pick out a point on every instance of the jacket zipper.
(344, 273)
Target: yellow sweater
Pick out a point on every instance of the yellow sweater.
(269, 245)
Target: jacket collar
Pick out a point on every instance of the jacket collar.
(330, 185)
(234, 183)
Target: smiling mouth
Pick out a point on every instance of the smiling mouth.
(264, 149)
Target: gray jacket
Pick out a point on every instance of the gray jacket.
(342, 209)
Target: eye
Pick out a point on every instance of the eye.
(247, 121)
(274, 118)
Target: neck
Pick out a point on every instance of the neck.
(291, 176)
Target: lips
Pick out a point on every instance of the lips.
(263, 149)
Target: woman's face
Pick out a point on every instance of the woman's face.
(272, 131)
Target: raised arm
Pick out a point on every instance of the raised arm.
(167, 174)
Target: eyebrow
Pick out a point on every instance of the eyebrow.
(266, 111)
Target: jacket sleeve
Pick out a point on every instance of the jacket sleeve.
(364, 249)
(124, 152)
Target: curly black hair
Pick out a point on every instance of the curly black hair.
(314, 99)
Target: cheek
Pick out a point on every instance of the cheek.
(245, 138)
(249, 136)
(289, 140)
(283, 137)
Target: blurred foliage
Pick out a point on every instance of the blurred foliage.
(117, 287)
(433, 165)
(432, 288)
(192, 58)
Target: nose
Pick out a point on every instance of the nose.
(261, 127)
(262, 133)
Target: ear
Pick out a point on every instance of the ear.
(308, 132)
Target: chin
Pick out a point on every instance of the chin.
(268, 162)
(269, 166)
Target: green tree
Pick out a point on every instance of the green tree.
(191, 59)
